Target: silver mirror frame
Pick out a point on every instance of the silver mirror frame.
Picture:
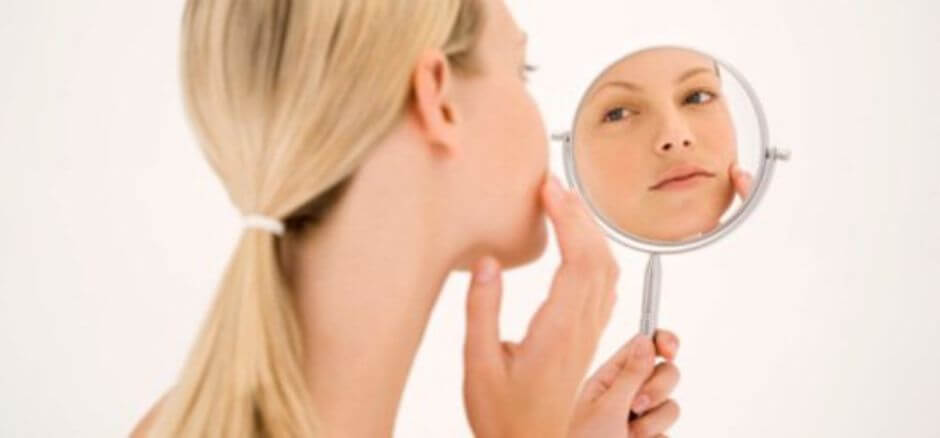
(768, 159)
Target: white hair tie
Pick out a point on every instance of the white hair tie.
(265, 223)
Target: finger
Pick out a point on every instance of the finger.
(657, 389)
(578, 236)
(482, 346)
(742, 181)
(656, 421)
(600, 305)
(667, 344)
(637, 368)
(585, 280)
(602, 379)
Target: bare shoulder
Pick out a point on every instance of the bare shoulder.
(142, 430)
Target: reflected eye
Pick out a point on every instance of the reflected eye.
(616, 114)
(699, 97)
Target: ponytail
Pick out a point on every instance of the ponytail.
(244, 375)
(287, 98)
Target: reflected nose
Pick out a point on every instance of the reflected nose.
(668, 146)
(674, 137)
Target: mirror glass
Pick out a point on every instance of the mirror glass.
(666, 144)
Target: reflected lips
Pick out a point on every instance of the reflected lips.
(680, 177)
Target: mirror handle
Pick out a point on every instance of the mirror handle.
(651, 292)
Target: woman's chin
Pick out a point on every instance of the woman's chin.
(679, 229)
(529, 248)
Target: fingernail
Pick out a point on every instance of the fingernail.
(486, 270)
(554, 188)
(640, 404)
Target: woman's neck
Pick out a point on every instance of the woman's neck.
(367, 282)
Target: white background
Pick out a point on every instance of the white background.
(817, 318)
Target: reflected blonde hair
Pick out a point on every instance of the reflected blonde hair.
(287, 98)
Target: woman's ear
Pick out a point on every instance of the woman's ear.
(433, 103)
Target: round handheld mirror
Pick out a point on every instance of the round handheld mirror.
(669, 148)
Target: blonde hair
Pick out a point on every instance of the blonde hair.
(287, 98)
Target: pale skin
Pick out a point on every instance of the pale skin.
(461, 184)
(657, 117)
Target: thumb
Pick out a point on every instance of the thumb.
(636, 370)
(482, 347)
(742, 181)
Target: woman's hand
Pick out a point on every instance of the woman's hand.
(627, 382)
(528, 389)
(741, 180)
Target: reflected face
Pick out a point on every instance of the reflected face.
(654, 142)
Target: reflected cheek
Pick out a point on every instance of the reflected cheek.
(717, 138)
(612, 170)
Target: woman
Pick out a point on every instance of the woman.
(374, 147)
(659, 149)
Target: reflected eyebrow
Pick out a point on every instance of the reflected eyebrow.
(622, 84)
(634, 87)
(693, 72)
